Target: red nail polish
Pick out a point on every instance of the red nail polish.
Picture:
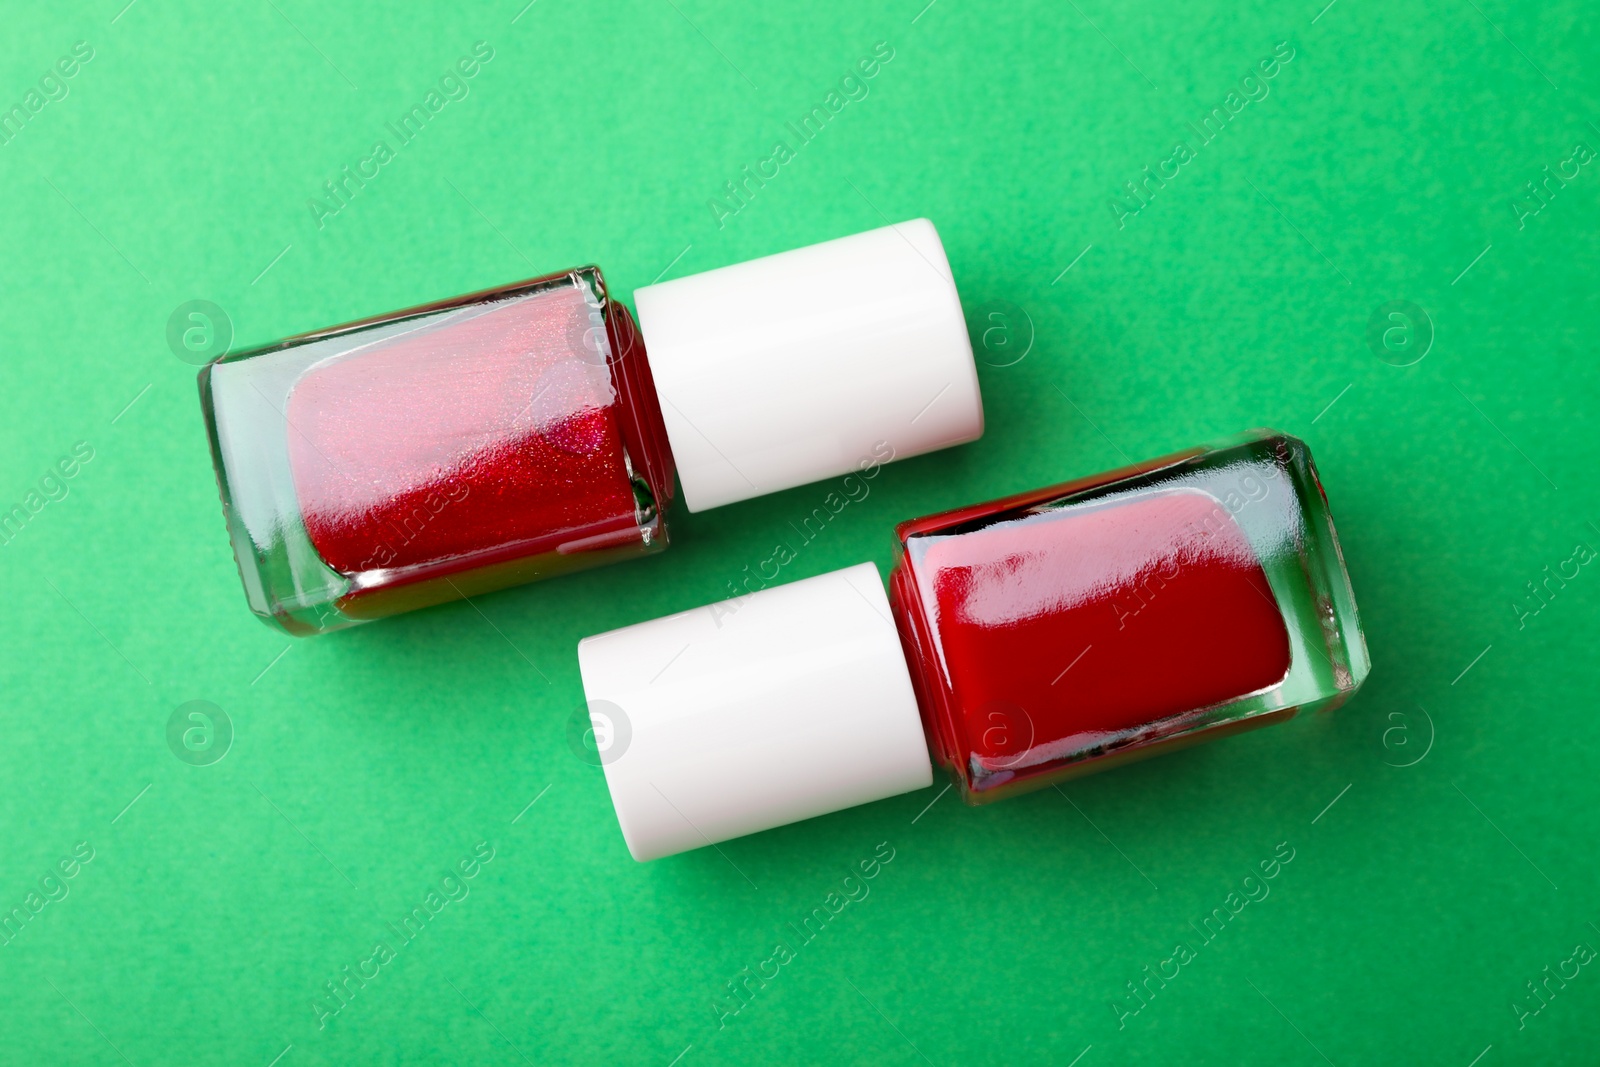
(523, 432)
(499, 445)
(1088, 624)
(1034, 638)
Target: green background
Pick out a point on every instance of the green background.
(1385, 162)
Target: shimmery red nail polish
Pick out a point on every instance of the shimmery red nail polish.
(522, 432)
(1041, 636)
(516, 442)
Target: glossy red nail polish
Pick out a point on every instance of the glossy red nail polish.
(1034, 638)
(523, 432)
(1079, 626)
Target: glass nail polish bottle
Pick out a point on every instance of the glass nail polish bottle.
(1082, 626)
(523, 432)
(1046, 635)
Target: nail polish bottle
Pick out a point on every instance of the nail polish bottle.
(1022, 642)
(523, 432)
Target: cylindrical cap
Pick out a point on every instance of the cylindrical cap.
(763, 710)
(803, 365)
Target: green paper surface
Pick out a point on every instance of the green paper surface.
(1442, 825)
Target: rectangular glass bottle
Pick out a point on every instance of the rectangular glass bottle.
(438, 452)
(1080, 626)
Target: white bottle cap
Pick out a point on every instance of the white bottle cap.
(755, 712)
(800, 366)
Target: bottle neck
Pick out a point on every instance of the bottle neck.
(916, 640)
(644, 433)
